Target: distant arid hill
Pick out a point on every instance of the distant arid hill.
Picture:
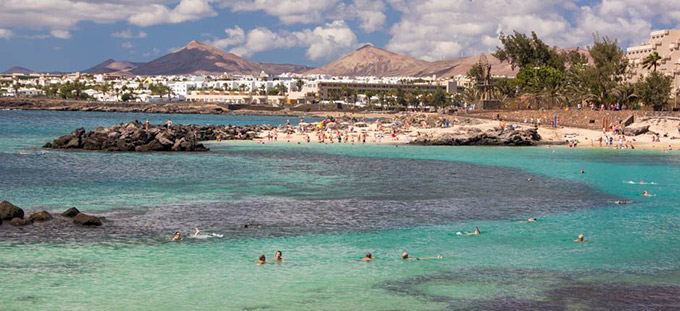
(17, 69)
(372, 61)
(112, 66)
(200, 58)
(369, 61)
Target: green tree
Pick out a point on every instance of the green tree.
(475, 74)
(651, 61)
(654, 90)
(299, 84)
(521, 51)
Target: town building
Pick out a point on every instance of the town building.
(667, 44)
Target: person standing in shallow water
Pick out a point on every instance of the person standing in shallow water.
(278, 256)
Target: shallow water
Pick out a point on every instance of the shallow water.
(325, 206)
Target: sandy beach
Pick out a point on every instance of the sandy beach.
(667, 130)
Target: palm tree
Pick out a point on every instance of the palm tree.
(651, 61)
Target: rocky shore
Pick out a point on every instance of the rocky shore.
(476, 137)
(15, 216)
(136, 137)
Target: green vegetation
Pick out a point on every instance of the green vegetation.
(549, 78)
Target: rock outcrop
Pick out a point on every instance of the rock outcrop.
(40, 216)
(20, 222)
(134, 137)
(8, 211)
(87, 220)
(71, 212)
(477, 137)
(635, 131)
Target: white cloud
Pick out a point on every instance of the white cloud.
(63, 15)
(323, 42)
(448, 28)
(370, 13)
(186, 10)
(61, 34)
(235, 36)
(127, 45)
(128, 34)
(6, 33)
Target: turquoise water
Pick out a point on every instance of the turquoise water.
(325, 206)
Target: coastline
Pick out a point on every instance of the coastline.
(586, 137)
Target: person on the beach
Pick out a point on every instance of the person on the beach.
(177, 237)
(278, 256)
(404, 256)
(581, 238)
(368, 257)
(529, 220)
(146, 124)
(477, 232)
(262, 260)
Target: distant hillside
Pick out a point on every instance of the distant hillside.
(200, 58)
(369, 61)
(17, 69)
(112, 66)
(372, 61)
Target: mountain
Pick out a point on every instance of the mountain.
(369, 61)
(460, 66)
(17, 69)
(112, 66)
(200, 58)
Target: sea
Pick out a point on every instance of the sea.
(324, 206)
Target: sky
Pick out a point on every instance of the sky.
(72, 35)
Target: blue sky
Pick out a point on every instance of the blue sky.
(69, 35)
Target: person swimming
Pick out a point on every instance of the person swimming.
(368, 257)
(530, 220)
(278, 256)
(404, 256)
(197, 232)
(646, 194)
(177, 236)
(582, 171)
(581, 238)
(477, 232)
(262, 260)
(622, 202)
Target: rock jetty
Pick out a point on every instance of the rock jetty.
(476, 137)
(134, 137)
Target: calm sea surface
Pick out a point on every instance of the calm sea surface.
(324, 207)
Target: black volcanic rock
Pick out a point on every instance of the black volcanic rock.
(71, 212)
(133, 136)
(476, 137)
(8, 211)
(87, 220)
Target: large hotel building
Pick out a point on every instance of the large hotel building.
(667, 44)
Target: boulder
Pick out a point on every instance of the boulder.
(154, 145)
(9, 211)
(87, 220)
(635, 131)
(71, 212)
(40, 216)
(19, 222)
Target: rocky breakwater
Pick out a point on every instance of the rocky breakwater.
(135, 137)
(476, 137)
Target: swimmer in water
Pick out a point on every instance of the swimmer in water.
(581, 238)
(278, 256)
(368, 257)
(404, 256)
(262, 260)
(197, 232)
(529, 220)
(622, 202)
(582, 171)
(477, 232)
(177, 237)
(645, 193)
